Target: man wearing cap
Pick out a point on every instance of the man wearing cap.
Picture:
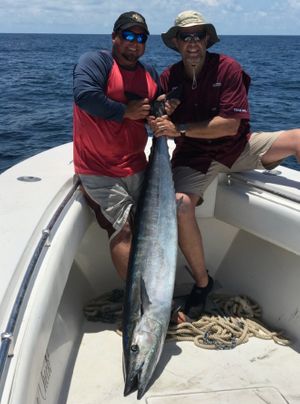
(112, 95)
(212, 133)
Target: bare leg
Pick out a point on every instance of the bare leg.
(120, 248)
(287, 144)
(190, 240)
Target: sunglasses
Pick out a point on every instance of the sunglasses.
(195, 36)
(132, 36)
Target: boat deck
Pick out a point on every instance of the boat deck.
(256, 372)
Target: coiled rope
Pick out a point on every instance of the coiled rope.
(228, 322)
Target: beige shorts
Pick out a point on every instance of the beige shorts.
(190, 181)
(113, 200)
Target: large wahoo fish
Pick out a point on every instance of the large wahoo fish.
(151, 273)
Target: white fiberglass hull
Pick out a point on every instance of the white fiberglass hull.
(55, 258)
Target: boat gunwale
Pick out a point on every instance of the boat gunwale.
(261, 185)
(9, 336)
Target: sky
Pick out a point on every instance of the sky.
(241, 17)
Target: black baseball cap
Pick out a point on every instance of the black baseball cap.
(130, 19)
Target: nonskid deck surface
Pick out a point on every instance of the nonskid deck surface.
(256, 372)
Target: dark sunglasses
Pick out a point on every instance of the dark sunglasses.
(132, 36)
(195, 36)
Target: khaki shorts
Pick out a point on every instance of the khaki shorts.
(113, 200)
(190, 181)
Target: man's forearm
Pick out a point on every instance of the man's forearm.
(215, 128)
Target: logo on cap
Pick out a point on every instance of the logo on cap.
(137, 18)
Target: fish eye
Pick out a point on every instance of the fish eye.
(134, 348)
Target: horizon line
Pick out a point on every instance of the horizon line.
(79, 33)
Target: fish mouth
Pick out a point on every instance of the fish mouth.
(135, 383)
(141, 391)
(132, 383)
(137, 379)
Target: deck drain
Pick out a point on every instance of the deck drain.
(29, 178)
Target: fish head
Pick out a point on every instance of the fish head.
(144, 353)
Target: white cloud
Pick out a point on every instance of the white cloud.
(98, 16)
(294, 4)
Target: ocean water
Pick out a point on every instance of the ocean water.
(36, 85)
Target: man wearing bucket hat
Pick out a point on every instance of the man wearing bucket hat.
(112, 95)
(211, 131)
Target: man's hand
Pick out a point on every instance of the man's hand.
(137, 109)
(162, 126)
(171, 105)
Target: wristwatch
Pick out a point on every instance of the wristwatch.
(181, 129)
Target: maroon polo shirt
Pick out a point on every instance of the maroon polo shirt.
(222, 88)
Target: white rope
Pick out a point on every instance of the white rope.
(230, 321)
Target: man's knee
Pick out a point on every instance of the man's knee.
(124, 235)
(292, 141)
(186, 205)
(286, 144)
(296, 140)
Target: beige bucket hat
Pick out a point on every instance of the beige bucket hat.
(189, 18)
